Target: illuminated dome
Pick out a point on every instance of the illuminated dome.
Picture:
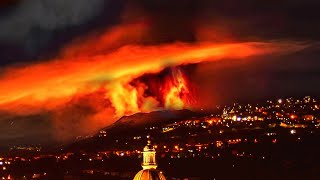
(149, 174)
(149, 165)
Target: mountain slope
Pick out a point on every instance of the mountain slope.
(153, 118)
(130, 125)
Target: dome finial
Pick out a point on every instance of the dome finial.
(148, 139)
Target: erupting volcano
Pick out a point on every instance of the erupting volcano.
(171, 92)
(98, 79)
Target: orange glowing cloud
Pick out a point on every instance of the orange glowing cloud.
(66, 76)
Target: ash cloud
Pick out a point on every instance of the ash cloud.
(36, 29)
(232, 20)
(46, 15)
(22, 129)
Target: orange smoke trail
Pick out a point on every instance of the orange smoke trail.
(63, 77)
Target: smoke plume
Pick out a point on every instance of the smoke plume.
(102, 76)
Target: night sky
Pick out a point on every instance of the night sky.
(39, 32)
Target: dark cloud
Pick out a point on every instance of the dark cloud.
(266, 19)
(22, 129)
(47, 15)
(239, 20)
(36, 30)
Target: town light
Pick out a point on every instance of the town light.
(293, 131)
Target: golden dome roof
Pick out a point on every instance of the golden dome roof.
(149, 174)
(149, 165)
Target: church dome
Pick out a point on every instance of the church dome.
(149, 174)
(149, 165)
